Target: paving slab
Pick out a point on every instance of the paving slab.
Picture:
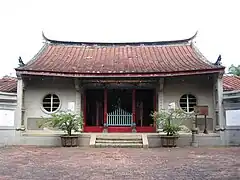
(29, 162)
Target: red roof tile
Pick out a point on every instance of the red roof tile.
(8, 84)
(231, 83)
(95, 59)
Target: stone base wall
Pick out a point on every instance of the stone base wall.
(154, 141)
(212, 139)
(7, 137)
(232, 136)
(49, 139)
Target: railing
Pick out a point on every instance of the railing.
(119, 117)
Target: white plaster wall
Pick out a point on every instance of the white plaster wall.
(7, 127)
(199, 86)
(232, 133)
(35, 92)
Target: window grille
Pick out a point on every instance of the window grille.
(187, 102)
(51, 103)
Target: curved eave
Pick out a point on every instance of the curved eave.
(43, 48)
(150, 74)
(120, 43)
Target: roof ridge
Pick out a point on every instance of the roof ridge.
(120, 43)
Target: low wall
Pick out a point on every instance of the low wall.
(211, 139)
(154, 141)
(232, 130)
(232, 135)
(7, 136)
(49, 139)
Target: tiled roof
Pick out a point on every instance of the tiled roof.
(8, 84)
(108, 59)
(231, 83)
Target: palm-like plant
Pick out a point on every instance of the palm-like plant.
(170, 120)
(64, 120)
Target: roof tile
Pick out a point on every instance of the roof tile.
(8, 84)
(110, 58)
(231, 83)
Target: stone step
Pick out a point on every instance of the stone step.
(118, 141)
(120, 137)
(118, 145)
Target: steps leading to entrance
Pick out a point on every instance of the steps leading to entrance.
(118, 140)
(119, 145)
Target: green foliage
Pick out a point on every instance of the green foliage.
(63, 120)
(170, 120)
(235, 70)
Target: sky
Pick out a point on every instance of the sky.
(22, 24)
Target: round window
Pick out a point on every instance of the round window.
(51, 103)
(187, 102)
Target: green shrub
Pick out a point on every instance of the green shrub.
(64, 120)
(170, 120)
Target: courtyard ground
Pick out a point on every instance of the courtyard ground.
(114, 163)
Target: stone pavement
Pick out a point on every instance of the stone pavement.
(28, 162)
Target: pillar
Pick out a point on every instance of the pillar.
(105, 106)
(160, 100)
(134, 106)
(160, 95)
(221, 121)
(84, 108)
(220, 109)
(155, 105)
(19, 120)
(19, 123)
(78, 97)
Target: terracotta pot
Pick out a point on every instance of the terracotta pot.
(169, 141)
(69, 141)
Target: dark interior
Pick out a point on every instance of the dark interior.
(116, 98)
(144, 107)
(95, 106)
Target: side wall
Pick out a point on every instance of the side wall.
(199, 86)
(34, 93)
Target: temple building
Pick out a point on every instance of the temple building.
(118, 85)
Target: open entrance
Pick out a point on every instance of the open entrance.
(94, 107)
(119, 107)
(144, 107)
(123, 107)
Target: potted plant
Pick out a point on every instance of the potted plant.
(66, 121)
(170, 121)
